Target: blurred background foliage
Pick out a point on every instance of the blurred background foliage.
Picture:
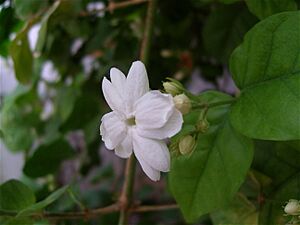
(60, 50)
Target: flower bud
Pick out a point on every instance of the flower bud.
(292, 207)
(202, 125)
(182, 103)
(186, 144)
(173, 87)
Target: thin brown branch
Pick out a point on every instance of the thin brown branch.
(112, 6)
(87, 214)
(149, 208)
(94, 213)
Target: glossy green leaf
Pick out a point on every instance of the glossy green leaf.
(47, 158)
(28, 8)
(265, 8)
(209, 178)
(15, 196)
(22, 57)
(266, 67)
(44, 203)
(224, 29)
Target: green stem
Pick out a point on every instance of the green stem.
(214, 104)
(127, 192)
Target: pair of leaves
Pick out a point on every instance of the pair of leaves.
(210, 177)
(17, 197)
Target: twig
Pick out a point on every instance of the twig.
(113, 6)
(88, 214)
(148, 208)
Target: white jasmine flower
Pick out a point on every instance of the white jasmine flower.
(140, 121)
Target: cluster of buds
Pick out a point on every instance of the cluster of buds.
(181, 101)
(186, 144)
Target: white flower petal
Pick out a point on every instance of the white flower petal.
(112, 129)
(172, 127)
(118, 80)
(112, 96)
(154, 152)
(153, 174)
(124, 150)
(137, 83)
(153, 110)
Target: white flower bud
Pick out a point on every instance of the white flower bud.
(182, 103)
(292, 207)
(173, 88)
(186, 144)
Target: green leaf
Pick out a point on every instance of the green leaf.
(44, 27)
(265, 8)
(65, 101)
(28, 8)
(84, 110)
(272, 211)
(19, 118)
(43, 204)
(224, 29)
(47, 158)
(15, 196)
(22, 57)
(266, 67)
(210, 177)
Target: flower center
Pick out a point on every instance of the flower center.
(131, 121)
